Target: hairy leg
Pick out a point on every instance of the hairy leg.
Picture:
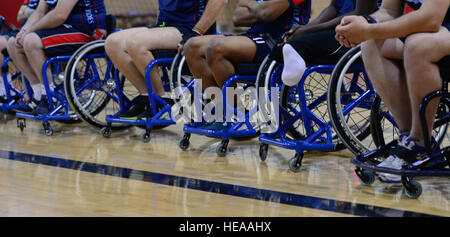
(115, 47)
(385, 70)
(140, 45)
(221, 53)
(195, 52)
(423, 74)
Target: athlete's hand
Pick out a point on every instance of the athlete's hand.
(295, 32)
(20, 37)
(352, 31)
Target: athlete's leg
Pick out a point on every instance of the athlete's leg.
(382, 60)
(21, 62)
(139, 48)
(195, 52)
(221, 53)
(421, 53)
(34, 51)
(115, 47)
(3, 45)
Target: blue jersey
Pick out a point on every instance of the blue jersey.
(416, 4)
(180, 12)
(87, 15)
(345, 6)
(297, 14)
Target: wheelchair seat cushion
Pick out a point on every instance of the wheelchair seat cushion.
(246, 69)
(164, 53)
(444, 67)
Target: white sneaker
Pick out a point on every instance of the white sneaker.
(395, 163)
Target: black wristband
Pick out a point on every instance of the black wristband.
(370, 19)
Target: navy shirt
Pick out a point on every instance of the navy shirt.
(180, 12)
(416, 4)
(295, 15)
(87, 15)
(345, 6)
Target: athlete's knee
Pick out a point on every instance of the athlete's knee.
(215, 49)
(193, 46)
(416, 48)
(137, 45)
(32, 42)
(113, 43)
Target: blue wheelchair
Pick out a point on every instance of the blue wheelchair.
(433, 164)
(60, 109)
(240, 123)
(305, 121)
(15, 98)
(160, 106)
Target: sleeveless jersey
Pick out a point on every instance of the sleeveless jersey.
(87, 15)
(297, 14)
(416, 4)
(180, 12)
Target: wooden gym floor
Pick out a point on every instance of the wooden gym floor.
(77, 172)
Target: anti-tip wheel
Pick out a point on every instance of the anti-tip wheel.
(413, 190)
(263, 150)
(365, 176)
(106, 132)
(295, 164)
(222, 148)
(184, 143)
(145, 137)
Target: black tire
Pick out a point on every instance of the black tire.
(355, 126)
(99, 102)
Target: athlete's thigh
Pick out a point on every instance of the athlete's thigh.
(236, 48)
(159, 38)
(120, 37)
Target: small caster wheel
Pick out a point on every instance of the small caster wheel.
(48, 131)
(221, 149)
(145, 137)
(296, 163)
(413, 189)
(21, 124)
(184, 142)
(106, 132)
(263, 149)
(366, 177)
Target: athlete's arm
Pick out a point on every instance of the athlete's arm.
(212, 10)
(269, 11)
(428, 18)
(37, 14)
(327, 21)
(363, 7)
(24, 13)
(55, 17)
(242, 15)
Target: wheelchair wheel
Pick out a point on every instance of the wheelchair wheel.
(350, 99)
(90, 85)
(384, 129)
(58, 82)
(315, 87)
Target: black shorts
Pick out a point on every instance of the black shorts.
(447, 26)
(65, 40)
(262, 46)
(319, 48)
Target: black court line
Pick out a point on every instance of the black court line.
(331, 205)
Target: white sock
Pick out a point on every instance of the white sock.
(2, 87)
(37, 91)
(294, 66)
